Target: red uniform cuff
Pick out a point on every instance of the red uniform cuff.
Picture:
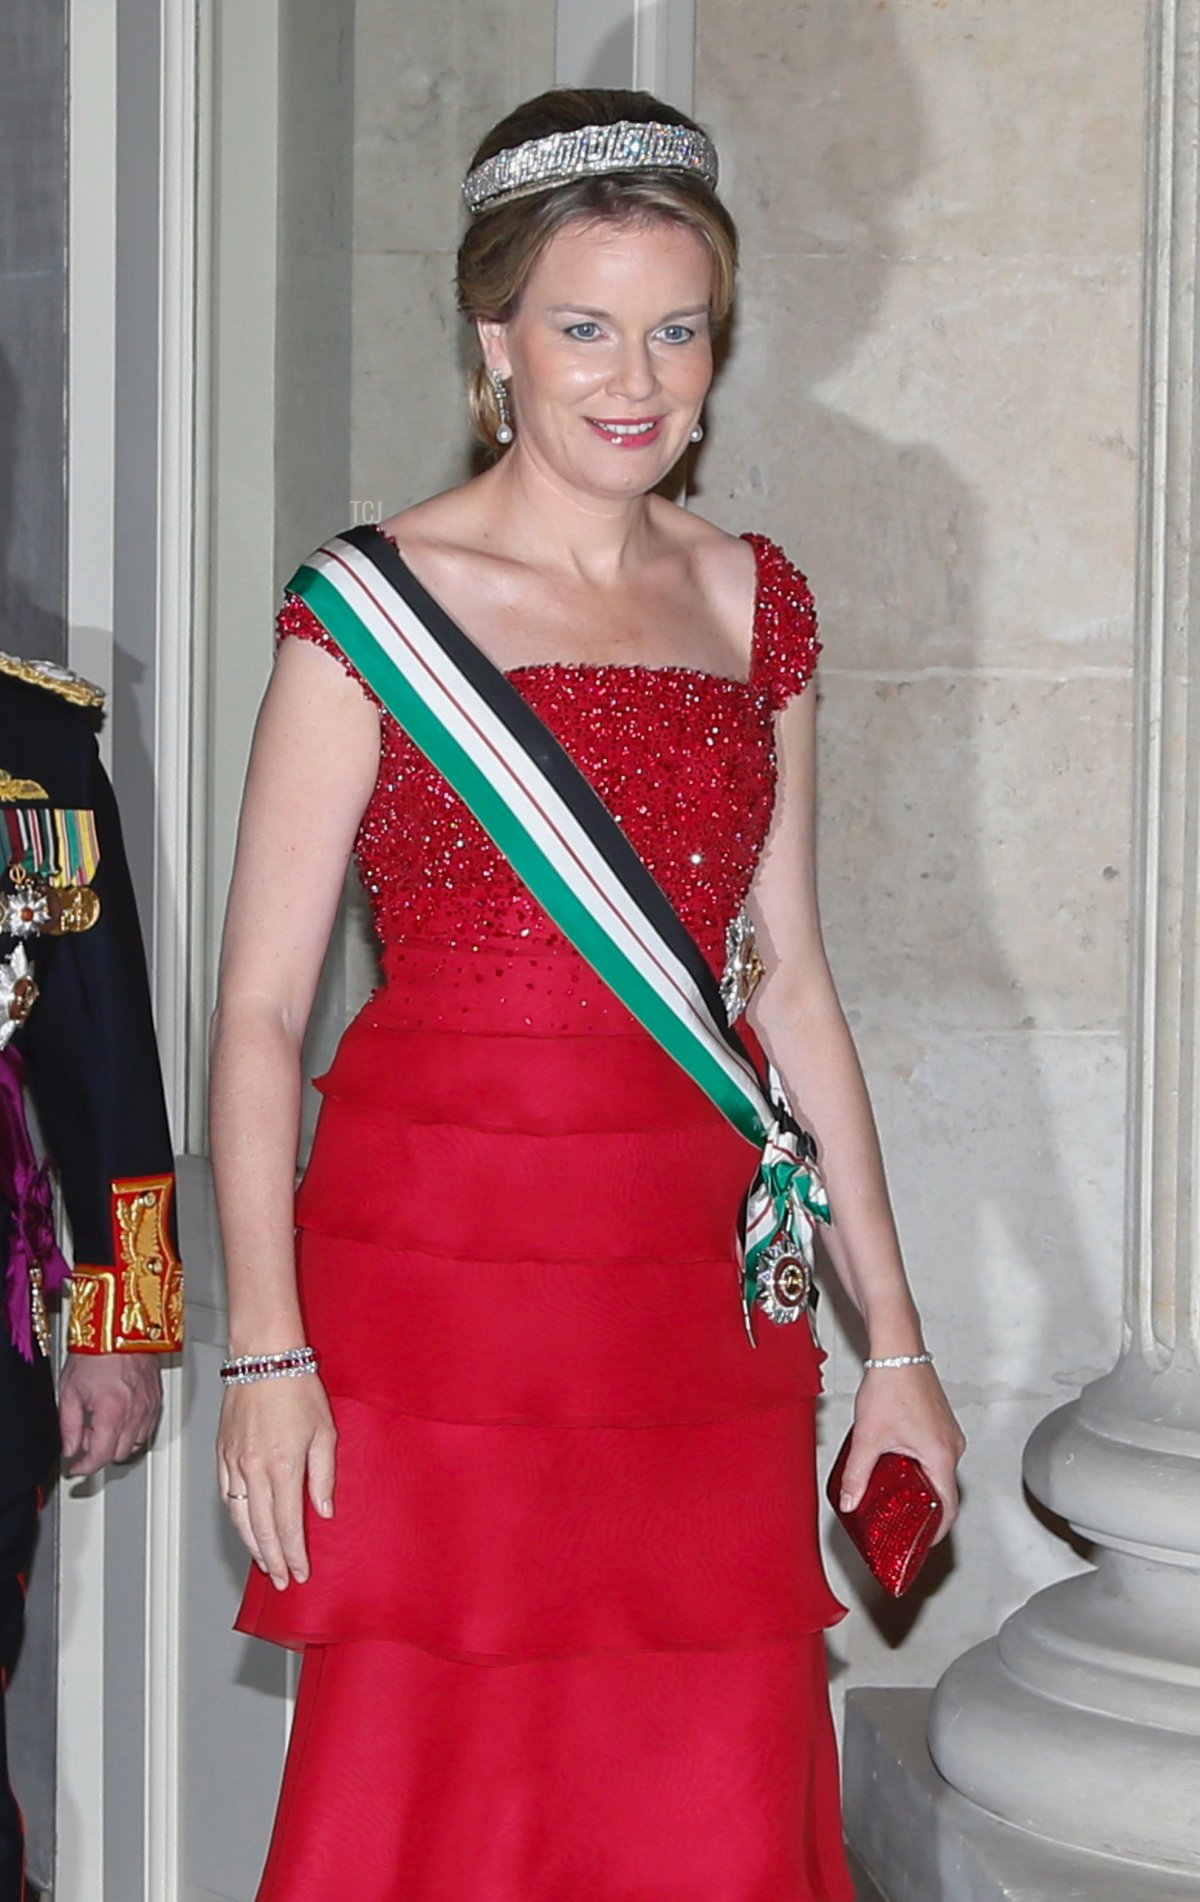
(135, 1307)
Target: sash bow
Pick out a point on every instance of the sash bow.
(783, 1203)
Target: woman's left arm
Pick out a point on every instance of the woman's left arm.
(796, 1013)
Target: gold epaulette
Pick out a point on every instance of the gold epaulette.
(55, 679)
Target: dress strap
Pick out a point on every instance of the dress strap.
(786, 644)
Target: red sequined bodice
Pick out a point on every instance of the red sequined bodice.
(684, 760)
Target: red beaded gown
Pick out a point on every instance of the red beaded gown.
(563, 1636)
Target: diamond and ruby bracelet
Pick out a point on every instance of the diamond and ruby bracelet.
(290, 1363)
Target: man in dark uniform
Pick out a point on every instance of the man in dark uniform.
(76, 1032)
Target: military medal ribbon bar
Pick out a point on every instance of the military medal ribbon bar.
(49, 842)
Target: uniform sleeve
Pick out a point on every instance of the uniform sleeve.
(93, 1070)
(296, 620)
(786, 645)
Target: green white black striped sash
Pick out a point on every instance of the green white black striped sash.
(555, 831)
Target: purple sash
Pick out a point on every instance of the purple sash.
(33, 1254)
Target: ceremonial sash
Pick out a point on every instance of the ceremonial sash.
(562, 841)
(35, 1265)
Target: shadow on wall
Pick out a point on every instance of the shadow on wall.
(28, 626)
(895, 542)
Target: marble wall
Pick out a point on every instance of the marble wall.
(931, 400)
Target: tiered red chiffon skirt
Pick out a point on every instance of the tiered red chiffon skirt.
(563, 1633)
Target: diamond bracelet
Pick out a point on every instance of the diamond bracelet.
(900, 1360)
(292, 1362)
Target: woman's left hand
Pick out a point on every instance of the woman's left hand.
(904, 1410)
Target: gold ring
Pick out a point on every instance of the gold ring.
(237, 1495)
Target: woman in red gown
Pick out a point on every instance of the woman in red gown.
(544, 1525)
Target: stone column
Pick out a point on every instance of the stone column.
(1080, 1722)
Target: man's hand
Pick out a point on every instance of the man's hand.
(108, 1406)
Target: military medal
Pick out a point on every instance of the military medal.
(76, 909)
(784, 1280)
(25, 910)
(36, 908)
(786, 1200)
(743, 966)
(17, 992)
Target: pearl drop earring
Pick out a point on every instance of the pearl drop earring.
(504, 432)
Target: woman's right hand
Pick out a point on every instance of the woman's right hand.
(276, 1438)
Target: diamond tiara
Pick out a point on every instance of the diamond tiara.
(589, 152)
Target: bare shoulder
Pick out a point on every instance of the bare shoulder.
(456, 548)
(723, 566)
(314, 696)
(442, 524)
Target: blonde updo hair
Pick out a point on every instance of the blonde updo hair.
(502, 244)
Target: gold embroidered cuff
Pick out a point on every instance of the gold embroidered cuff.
(136, 1307)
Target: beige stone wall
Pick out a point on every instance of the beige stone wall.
(931, 400)
(429, 79)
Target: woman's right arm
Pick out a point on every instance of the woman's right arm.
(312, 769)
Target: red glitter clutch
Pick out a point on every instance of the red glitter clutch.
(896, 1520)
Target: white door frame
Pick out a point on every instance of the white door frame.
(178, 530)
(647, 44)
(91, 404)
(180, 708)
